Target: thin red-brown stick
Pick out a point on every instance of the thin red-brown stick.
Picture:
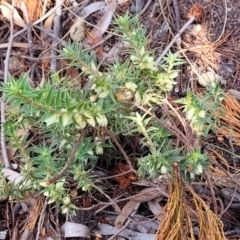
(70, 159)
(212, 192)
(120, 149)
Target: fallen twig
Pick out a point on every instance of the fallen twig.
(178, 24)
(56, 32)
(50, 34)
(177, 16)
(3, 120)
(235, 177)
(3, 143)
(113, 203)
(190, 21)
(117, 175)
(222, 168)
(145, 8)
(30, 41)
(212, 192)
(195, 13)
(225, 21)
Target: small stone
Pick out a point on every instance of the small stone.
(196, 28)
(210, 76)
(234, 93)
(15, 64)
(77, 30)
(226, 70)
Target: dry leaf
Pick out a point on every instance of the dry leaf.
(72, 73)
(102, 25)
(42, 82)
(147, 195)
(143, 196)
(71, 229)
(155, 208)
(26, 234)
(7, 11)
(126, 211)
(34, 8)
(122, 2)
(3, 234)
(77, 31)
(110, 56)
(105, 229)
(229, 193)
(12, 176)
(47, 26)
(93, 7)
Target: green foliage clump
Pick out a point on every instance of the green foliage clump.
(112, 97)
(201, 110)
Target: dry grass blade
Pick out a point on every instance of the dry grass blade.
(177, 224)
(229, 114)
(221, 171)
(210, 225)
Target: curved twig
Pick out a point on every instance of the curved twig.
(70, 159)
(120, 149)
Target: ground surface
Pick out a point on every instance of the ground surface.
(214, 46)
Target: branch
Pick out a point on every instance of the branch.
(120, 148)
(177, 36)
(30, 41)
(195, 13)
(3, 120)
(56, 32)
(70, 159)
(175, 131)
